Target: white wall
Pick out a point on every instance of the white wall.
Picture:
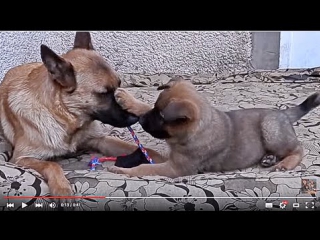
(150, 52)
(299, 49)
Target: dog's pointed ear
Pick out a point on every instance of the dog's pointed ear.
(83, 40)
(59, 69)
(179, 111)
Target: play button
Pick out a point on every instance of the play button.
(23, 205)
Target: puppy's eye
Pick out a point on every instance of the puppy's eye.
(161, 114)
(180, 120)
(177, 121)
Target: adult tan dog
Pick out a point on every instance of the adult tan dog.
(204, 139)
(49, 109)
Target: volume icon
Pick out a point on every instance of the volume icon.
(52, 205)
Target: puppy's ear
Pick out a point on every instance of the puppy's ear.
(162, 87)
(60, 70)
(171, 82)
(179, 111)
(83, 40)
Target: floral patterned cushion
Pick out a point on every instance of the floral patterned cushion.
(248, 189)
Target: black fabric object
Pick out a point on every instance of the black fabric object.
(132, 160)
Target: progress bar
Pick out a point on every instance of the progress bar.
(56, 197)
(151, 197)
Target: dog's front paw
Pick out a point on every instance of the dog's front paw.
(125, 99)
(60, 190)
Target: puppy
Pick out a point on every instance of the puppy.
(204, 139)
(55, 107)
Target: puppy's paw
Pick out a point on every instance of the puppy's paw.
(118, 170)
(114, 169)
(281, 166)
(125, 99)
(278, 169)
(268, 161)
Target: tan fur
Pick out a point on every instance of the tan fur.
(128, 102)
(42, 120)
(203, 139)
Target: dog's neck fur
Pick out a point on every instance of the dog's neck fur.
(64, 123)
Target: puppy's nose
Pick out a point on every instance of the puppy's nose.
(142, 120)
(132, 119)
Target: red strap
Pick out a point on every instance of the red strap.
(104, 159)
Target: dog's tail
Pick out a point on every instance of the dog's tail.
(297, 112)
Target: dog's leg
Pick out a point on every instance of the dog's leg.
(111, 146)
(162, 169)
(130, 103)
(52, 173)
(291, 161)
(281, 141)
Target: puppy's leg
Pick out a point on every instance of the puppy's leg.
(52, 173)
(111, 146)
(291, 161)
(161, 169)
(280, 140)
(130, 103)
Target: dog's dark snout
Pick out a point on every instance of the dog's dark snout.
(142, 120)
(132, 119)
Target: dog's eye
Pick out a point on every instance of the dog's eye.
(161, 114)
